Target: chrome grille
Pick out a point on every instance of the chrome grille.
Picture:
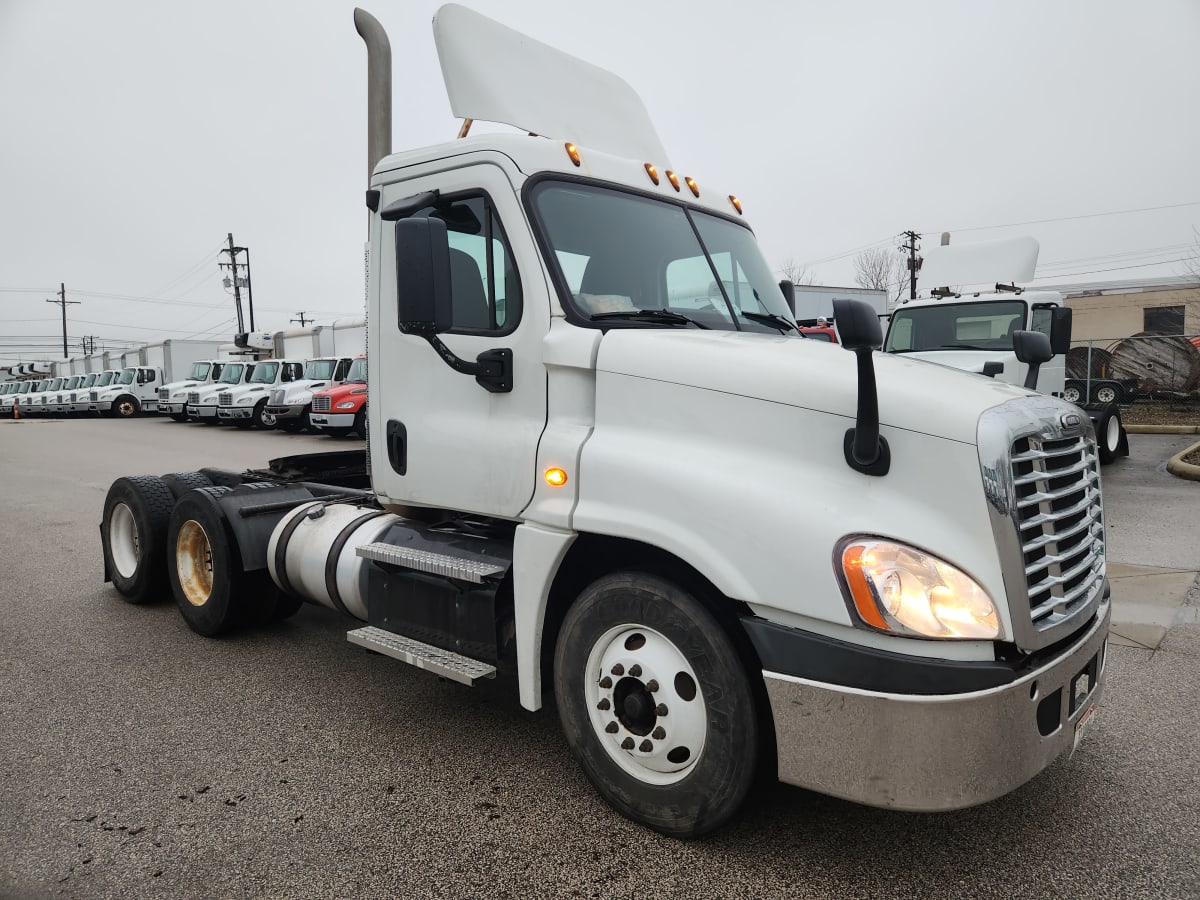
(276, 397)
(193, 397)
(93, 396)
(1056, 483)
(322, 404)
(225, 398)
(164, 394)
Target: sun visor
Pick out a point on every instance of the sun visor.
(1008, 261)
(495, 74)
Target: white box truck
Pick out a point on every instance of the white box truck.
(589, 472)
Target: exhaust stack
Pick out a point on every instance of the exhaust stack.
(379, 88)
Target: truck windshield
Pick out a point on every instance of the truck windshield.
(104, 380)
(232, 373)
(264, 373)
(639, 261)
(358, 372)
(319, 369)
(199, 371)
(127, 376)
(984, 325)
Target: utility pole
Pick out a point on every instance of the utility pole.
(232, 265)
(303, 321)
(63, 302)
(914, 261)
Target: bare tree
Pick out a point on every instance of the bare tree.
(882, 268)
(796, 273)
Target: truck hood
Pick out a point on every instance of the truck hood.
(341, 391)
(816, 375)
(966, 360)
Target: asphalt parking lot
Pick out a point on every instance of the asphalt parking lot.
(138, 759)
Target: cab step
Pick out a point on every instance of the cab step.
(446, 663)
(432, 563)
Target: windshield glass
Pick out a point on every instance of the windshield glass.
(232, 373)
(199, 371)
(655, 261)
(89, 381)
(105, 379)
(264, 373)
(955, 326)
(72, 382)
(319, 369)
(358, 371)
(127, 376)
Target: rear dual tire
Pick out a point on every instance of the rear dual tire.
(133, 529)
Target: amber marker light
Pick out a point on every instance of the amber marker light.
(737, 204)
(853, 559)
(652, 172)
(573, 152)
(556, 477)
(673, 178)
(691, 183)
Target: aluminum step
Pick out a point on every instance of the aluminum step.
(431, 563)
(446, 663)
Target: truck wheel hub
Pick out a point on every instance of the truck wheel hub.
(645, 704)
(193, 562)
(123, 540)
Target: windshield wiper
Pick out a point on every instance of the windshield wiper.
(770, 319)
(652, 315)
(962, 347)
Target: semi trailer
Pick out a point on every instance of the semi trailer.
(591, 476)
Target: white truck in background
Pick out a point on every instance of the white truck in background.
(291, 404)
(173, 396)
(977, 331)
(202, 401)
(587, 470)
(245, 405)
(144, 371)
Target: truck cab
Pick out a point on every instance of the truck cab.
(39, 403)
(59, 401)
(246, 405)
(173, 397)
(79, 400)
(292, 404)
(135, 390)
(202, 400)
(16, 395)
(342, 410)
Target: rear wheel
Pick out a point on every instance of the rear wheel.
(1106, 393)
(136, 513)
(1072, 394)
(360, 423)
(179, 483)
(656, 704)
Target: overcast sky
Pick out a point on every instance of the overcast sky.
(135, 135)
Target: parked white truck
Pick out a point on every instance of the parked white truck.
(605, 483)
(173, 397)
(976, 331)
(202, 401)
(246, 405)
(291, 404)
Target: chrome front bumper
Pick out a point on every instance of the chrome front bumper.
(936, 752)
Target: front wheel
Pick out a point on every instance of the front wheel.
(1108, 435)
(262, 418)
(1072, 394)
(125, 407)
(656, 704)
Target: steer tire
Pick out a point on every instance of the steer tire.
(656, 704)
(1109, 435)
(126, 407)
(214, 593)
(133, 530)
(180, 483)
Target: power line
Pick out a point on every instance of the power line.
(1115, 212)
(1164, 262)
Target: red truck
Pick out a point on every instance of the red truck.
(342, 409)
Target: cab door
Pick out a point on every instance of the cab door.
(438, 438)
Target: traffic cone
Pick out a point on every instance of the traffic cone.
(16, 410)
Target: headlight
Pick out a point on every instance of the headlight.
(903, 590)
(346, 404)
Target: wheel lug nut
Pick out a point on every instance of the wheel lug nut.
(645, 746)
(635, 671)
(611, 727)
(618, 670)
(661, 709)
(652, 685)
(658, 733)
(606, 682)
(603, 704)
(627, 744)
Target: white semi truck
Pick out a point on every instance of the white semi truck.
(975, 331)
(604, 483)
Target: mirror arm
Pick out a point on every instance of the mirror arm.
(492, 369)
(865, 448)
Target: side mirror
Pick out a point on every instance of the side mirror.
(789, 295)
(423, 298)
(1033, 348)
(866, 450)
(1060, 330)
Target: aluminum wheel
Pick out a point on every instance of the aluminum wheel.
(645, 704)
(193, 562)
(123, 540)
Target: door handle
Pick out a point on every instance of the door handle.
(397, 446)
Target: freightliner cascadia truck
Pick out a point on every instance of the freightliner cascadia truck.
(719, 548)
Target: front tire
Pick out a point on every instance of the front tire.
(136, 513)
(1108, 435)
(656, 704)
(126, 407)
(262, 418)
